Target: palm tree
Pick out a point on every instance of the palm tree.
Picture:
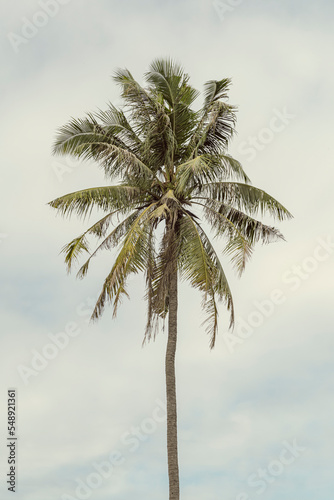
(167, 161)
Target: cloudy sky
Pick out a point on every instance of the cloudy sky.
(255, 414)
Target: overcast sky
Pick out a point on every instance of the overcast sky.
(256, 413)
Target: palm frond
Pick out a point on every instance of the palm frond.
(195, 263)
(240, 251)
(209, 306)
(203, 170)
(169, 84)
(168, 79)
(115, 123)
(152, 316)
(215, 90)
(86, 139)
(107, 198)
(193, 173)
(216, 122)
(164, 265)
(111, 241)
(165, 78)
(132, 258)
(220, 285)
(74, 249)
(245, 197)
(232, 168)
(239, 244)
(242, 230)
(200, 265)
(135, 96)
(218, 130)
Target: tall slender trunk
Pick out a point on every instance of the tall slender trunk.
(173, 465)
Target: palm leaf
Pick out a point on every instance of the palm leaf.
(244, 197)
(74, 249)
(200, 265)
(132, 258)
(86, 139)
(215, 90)
(202, 170)
(239, 244)
(111, 241)
(107, 198)
(152, 316)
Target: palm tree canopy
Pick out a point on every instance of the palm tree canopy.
(165, 160)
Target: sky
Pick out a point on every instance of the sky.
(255, 415)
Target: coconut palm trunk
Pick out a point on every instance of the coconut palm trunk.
(173, 466)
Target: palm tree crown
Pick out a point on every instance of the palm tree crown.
(167, 159)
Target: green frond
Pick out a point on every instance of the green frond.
(153, 124)
(195, 263)
(215, 90)
(114, 123)
(169, 84)
(209, 306)
(100, 227)
(107, 198)
(240, 251)
(74, 249)
(111, 241)
(217, 120)
(152, 313)
(227, 220)
(194, 172)
(220, 285)
(169, 80)
(245, 197)
(200, 265)
(164, 86)
(168, 68)
(87, 140)
(232, 168)
(218, 129)
(242, 231)
(132, 258)
(239, 244)
(79, 136)
(163, 267)
(204, 169)
(141, 105)
(130, 87)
